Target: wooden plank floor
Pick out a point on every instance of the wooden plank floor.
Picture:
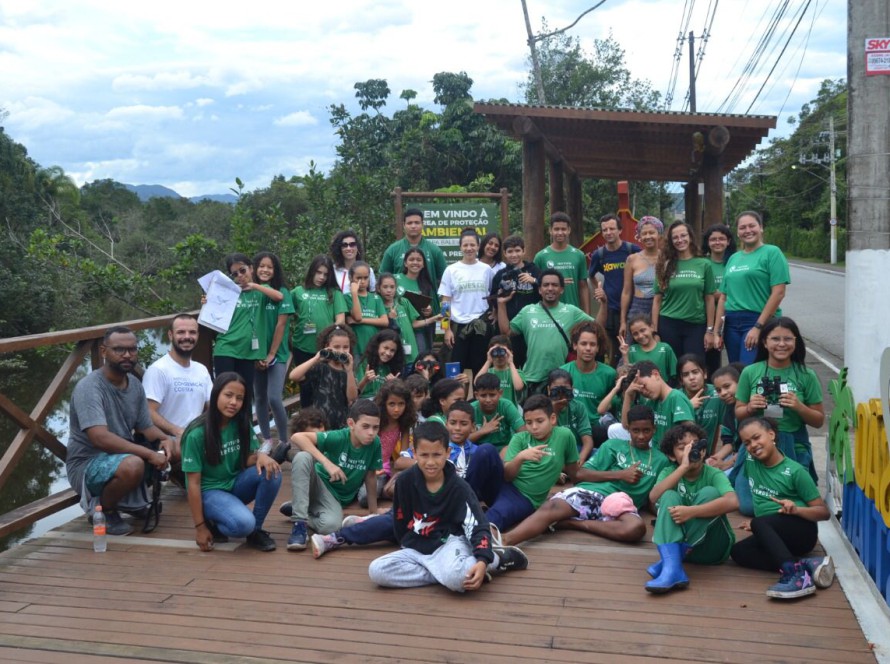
(158, 598)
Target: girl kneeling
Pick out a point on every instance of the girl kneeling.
(224, 470)
(787, 506)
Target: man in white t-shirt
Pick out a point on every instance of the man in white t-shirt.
(177, 389)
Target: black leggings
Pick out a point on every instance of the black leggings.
(681, 336)
(775, 539)
(245, 368)
(470, 350)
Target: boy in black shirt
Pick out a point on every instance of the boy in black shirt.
(521, 276)
(443, 532)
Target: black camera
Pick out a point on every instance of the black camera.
(333, 355)
(429, 365)
(698, 451)
(561, 392)
(509, 281)
(498, 351)
(772, 387)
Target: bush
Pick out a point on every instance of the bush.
(813, 243)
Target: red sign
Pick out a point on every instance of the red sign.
(877, 56)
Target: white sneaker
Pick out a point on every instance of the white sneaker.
(352, 519)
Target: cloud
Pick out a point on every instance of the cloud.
(143, 111)
(33, 112)
(298, 119)
(168, 80)
(203, 102)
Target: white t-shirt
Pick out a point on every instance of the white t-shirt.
(341, 274)
(180, 391)
(468, 287)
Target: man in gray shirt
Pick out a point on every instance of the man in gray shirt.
(104, 463)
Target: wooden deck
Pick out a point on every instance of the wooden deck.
(157, 598)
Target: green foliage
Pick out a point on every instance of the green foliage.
(788, 182)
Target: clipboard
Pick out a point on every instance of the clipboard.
(418, 300)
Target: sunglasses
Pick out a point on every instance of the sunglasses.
(236, 273)
(347, 245)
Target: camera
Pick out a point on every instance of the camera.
(698, 451)
(772, 387)
(498, 351)
(328, 354)
(562, 392)
(509, 281)
(429, 365)
(629, 377)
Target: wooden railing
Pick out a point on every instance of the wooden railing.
(31, 425)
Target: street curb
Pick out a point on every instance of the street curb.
(839, 272)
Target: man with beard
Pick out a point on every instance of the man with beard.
(104, 465)
(177, 388)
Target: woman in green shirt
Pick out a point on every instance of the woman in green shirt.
(717, 245)
(683, 304)
(318, 303)
(751, 291)
(415, 278)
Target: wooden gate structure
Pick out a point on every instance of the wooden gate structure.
(584, 143)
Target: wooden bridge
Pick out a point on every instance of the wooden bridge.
(158, 598)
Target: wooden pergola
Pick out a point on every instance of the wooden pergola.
(580, 143)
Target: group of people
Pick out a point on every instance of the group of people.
(630, 406)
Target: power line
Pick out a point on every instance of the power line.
(806, 44)
(685, 19)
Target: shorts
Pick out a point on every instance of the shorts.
(588, 504)
(100, 470)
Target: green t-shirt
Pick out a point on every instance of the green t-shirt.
(749, 278)
(536, 478)
(800, 379)
(248, 323)
(662, 356)
(506, 378)
(273, 311)
(394, 258)
(222, 475)
(407, 285)
(510, 424)
(372, 307)
(718, 269)
(571, 263)
(355, 462)
(547, 349)
(709, 416)
(787, 480)
(684, 298)
(675, 408)
(592, 387)
(406, 315)
(617, 454)
(315, 310)
(372, 387)
(574, 417)
(689, 489)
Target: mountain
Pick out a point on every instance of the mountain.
(147, 191)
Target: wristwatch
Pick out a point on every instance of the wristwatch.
(758, 326)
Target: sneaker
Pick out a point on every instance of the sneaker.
(298, 537)
(510, 558)
(287, 509)
(261, 540)
(795, 582)
(821, 570)
(279, 452)
(352, 519)
(496, 539)
(321, 544)
(115, 524)
(218, 537)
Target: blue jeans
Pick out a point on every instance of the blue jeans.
(485, 473)
(510, 508)
(228, 509)
(735, 329)
(268, 389)
(375, 529)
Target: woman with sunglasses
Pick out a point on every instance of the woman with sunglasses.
(247, 339)
(345, 250)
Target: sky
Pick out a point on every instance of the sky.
(192, 95)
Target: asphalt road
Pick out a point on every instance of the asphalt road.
(815, 300)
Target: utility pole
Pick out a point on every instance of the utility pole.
(868, 205)
(691, 72)
(833, 192)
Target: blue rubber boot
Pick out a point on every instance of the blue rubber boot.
(655, 568)
(672, 574)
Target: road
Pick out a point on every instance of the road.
(815, 300)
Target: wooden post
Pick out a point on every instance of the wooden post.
(712, 174)
(505, 213)
(533, 196)
(576, 211)
(690, 199)
(557, 188)
(397, 192)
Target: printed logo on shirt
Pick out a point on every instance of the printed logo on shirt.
(420, 526)
(347, 463)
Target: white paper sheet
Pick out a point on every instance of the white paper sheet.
(222, 297)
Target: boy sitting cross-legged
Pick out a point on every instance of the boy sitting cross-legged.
(327, 472)
(444, 534)
(611, 487)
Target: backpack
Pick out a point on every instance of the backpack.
(601, 251)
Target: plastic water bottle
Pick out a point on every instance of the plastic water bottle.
(100, 543)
